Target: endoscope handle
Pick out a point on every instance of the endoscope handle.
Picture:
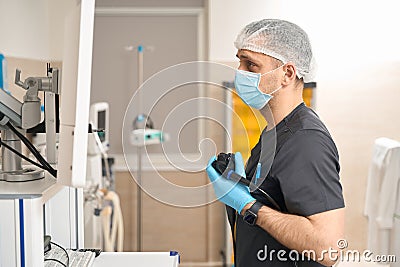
(225, 165)
(232, 175)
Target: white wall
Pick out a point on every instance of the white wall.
(24, 28)
(33, 29)
(344, 34)
(58, 9)
(228, 17)
(347, 34)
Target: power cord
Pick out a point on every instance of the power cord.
(29, 146)
(58, 261)
(33, 150)
(21, 155)
(105, 157)
(66, 253)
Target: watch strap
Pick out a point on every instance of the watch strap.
(251, 215)
(256, 207)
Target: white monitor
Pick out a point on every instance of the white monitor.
(76, 75)
(100, 120)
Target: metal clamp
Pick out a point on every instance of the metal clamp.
(45, 84)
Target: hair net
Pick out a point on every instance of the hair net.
(282, 40)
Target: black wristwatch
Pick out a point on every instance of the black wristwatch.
(250, 216)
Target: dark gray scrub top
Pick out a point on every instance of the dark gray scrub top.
(303, 179)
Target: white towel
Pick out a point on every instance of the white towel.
(382, 192)
(395, 234)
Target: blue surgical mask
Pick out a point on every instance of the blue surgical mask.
(247, 86)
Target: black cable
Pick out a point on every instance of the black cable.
(270, 199)
(22, 156)
(66, 253)
(29, 146)
(33, 150)
(56, 261)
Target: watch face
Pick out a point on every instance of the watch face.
(250, 217)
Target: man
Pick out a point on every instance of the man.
(303, 175)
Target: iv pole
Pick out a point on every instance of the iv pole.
(140, 118)
(139, 155)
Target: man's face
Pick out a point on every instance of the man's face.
(260, 63)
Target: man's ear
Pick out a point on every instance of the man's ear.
(290, 73)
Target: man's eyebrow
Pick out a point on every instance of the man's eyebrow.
(247, 57)
(241, 56)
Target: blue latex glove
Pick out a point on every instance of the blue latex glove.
(233, 194)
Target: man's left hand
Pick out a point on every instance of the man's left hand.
(233, 194)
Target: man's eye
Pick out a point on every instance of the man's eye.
(250, 64)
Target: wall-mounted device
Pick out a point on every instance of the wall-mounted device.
(144, 137)
(100, 120)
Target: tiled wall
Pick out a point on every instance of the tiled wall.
(197, 233)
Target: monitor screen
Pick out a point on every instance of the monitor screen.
(101, 124)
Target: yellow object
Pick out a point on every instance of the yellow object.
(247, 125)
(307, 96)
